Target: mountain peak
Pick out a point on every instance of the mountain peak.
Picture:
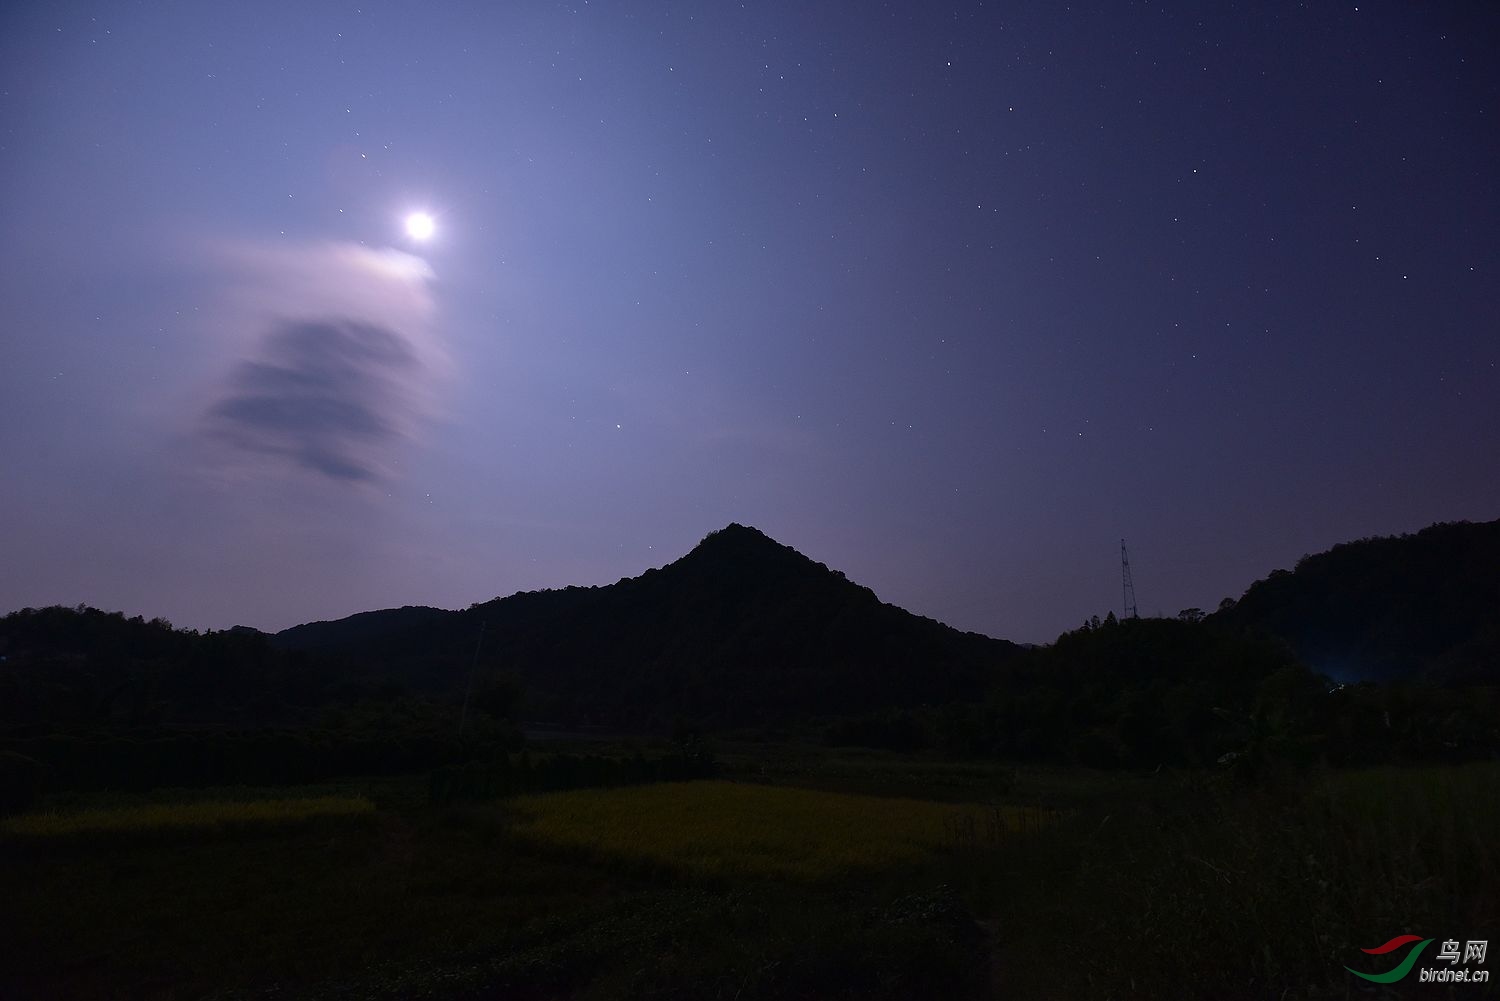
(735, 534)
(740, 547)
(741, 628)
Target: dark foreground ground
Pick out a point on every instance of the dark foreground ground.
(955, 880)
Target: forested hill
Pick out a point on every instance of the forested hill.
(741, 629)
(1424, 605)
(364, 629)
(81, 667)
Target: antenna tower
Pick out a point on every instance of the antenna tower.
(1127, 584)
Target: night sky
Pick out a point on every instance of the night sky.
(951, 298)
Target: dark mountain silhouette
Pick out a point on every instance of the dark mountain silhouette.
(741, 629)
(362, 628)
(85, 667)
(1411, 606)
(744, 630)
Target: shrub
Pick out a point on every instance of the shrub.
(21, 782)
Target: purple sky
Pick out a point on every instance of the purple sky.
(950, 298)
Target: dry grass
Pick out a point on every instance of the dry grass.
(729, 829)
(201, 816)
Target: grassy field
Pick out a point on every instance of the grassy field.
(206, 815)
(1199, 892)
(1122, 886)
(737, 831)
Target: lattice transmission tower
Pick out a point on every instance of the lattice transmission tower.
(1127, 584)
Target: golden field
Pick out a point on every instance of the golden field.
(201, 816)
(732, 829)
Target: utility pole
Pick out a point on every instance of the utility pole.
(463, 716)
(1127, 584)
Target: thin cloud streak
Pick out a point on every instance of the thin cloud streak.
(339, 364)
(325, 395)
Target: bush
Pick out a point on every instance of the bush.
(479, 780)
(21, 782)
(888, 731)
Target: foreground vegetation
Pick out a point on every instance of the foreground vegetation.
(1265, 893)
(730, 831)
(1147, 885)
(1148, 808)
(207, 815)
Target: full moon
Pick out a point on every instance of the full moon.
(419, 226)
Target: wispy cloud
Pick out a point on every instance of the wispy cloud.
(337, 361)
(325, 395)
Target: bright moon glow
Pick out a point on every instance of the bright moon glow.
(419, 226)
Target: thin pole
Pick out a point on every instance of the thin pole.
(463, 716)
